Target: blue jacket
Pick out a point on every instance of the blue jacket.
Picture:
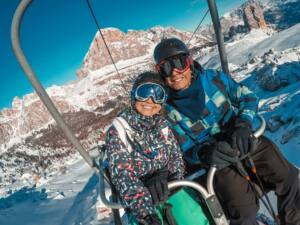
(224, 98)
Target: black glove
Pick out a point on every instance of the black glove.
(221, 155)
(242, 139)
(157, 185)
(152, 219)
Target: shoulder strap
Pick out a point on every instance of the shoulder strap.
(124, 130)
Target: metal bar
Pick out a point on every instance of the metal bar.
(218, 32)
(221, 220)
(15, 28)
(191, 184)
(116, 212)
(113, 205)
(262, 127)
(210, 180)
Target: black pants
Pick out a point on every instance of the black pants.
(239, 200)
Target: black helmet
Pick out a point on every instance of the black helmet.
(146, 77)
(169, 47)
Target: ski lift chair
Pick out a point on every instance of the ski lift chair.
(207, 194)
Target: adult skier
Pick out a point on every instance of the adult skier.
(213, 116)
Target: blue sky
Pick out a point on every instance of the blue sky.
(56, 34)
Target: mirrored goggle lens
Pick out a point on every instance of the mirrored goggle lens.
(148, 90)
(179, 63)
(165, 68)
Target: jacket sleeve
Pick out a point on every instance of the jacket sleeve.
(241, 97)
(125, 173)
(176, 163)
(185, 142)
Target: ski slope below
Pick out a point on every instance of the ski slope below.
(254, 44)
(69, 198)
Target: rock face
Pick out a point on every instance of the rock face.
(27, 115)
(253, 16)
(126, 46)
(241, 20)
(132, 51)
(281, 14)
(30, 141)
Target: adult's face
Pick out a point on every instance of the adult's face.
(179, 80)
(148, 107)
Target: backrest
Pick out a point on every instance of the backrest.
(126, 135)
(125, 132)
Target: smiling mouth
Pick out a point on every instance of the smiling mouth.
(177, 79)
(148, 107)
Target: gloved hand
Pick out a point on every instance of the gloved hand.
(157, 185)
(221, 155)
(151, 219)
(242, 139)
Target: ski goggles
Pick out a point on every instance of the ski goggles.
(179, 63)
(147, 90)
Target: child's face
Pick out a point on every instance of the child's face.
(148, 107)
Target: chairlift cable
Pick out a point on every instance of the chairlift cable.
(198, 26)
(106, 46)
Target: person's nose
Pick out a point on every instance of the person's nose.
(150, 100)
(175, 73)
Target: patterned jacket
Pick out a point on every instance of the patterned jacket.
(224, 98)
(158, 150)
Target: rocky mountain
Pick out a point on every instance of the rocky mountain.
(29, 139)
(241, 20)
(130, 45)
(281, 14)
(257, 14)
(97, 80)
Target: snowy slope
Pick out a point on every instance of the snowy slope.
(254, 44)
(69, 198)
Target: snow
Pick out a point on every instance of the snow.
(285, 104)
(71, 196)
(256, 43)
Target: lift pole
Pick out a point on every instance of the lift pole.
(219, 36)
